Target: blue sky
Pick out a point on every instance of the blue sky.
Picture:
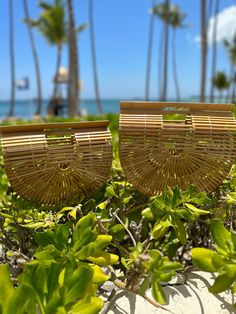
(121, 31)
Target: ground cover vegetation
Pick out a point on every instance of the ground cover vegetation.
(55, 259)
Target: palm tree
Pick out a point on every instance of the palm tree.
(12, 58)
(203, 51)
(98, 101)
(231, 48)
(166, 50)
(73, 89)
(221, 82)
(35, 57)
(176, 21)
(92, 41)
(214, 49)
(53, 26)
(162, 11)
(149, 54)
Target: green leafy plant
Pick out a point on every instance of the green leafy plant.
(149, 268)
(172, 207)
(222, 261)
(59, 257)
(64, 275)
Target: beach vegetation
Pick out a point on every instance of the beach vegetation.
(61, 256)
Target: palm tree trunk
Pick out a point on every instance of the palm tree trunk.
(166, 50)
(174, 66)
(214, 52)
(160, 63)
(12, 58)
(220, 97)
(58, 64)
(36, 60)
(203, 51)
(149, 54)
(93, 50)
(73, 90)
(231, 75)
(234, 86)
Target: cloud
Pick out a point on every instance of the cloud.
(226, 26)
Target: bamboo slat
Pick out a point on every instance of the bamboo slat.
(155, 152)
(51, 163)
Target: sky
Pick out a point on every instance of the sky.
(121, 38)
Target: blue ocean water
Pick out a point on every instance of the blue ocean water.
(25, 109)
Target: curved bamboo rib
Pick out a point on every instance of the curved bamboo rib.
(156, 153)
(52, 163)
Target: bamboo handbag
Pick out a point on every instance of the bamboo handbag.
(156, 152)
(51, 163)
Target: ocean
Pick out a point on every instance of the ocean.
(25, 109)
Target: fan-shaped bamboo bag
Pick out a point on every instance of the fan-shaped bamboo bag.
(156, 152)
(51, 163)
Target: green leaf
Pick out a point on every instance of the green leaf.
(85, 222)
(61, 235)
(166, 276)
(98, 275)
(147, 213)
(89, 205)
(176, 197)
(168, 266)
(222, 283)
(6, 287)
(233, 237)
(233, 288)
(44, 238)
(196, 210)
(35, 275)
(200, 199)
(158, 292)
(56, 302)
(144, 286)
(53, 278)
(118, 231)
(179, 228)
(102, 241)
(65, 209)
(157, 207)
(220, 234)
(110, 192)
(33, 225)
(24, 300)
(202, 258)
(79, 284)
(218, 261)
(83, 239)
(160, 228)
(103, 258)
(73, 213)
(103, 205)
(230, 269)
(88, 305)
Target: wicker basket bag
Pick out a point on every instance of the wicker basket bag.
(51, 163)
(157, 152)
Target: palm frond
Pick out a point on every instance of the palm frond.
(81, 27)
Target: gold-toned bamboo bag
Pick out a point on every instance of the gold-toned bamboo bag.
(51, 163)
(156, 152)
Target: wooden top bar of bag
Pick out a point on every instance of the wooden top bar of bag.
(47, 126)
(125, 105)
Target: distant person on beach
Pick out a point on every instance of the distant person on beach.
(55, 106)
